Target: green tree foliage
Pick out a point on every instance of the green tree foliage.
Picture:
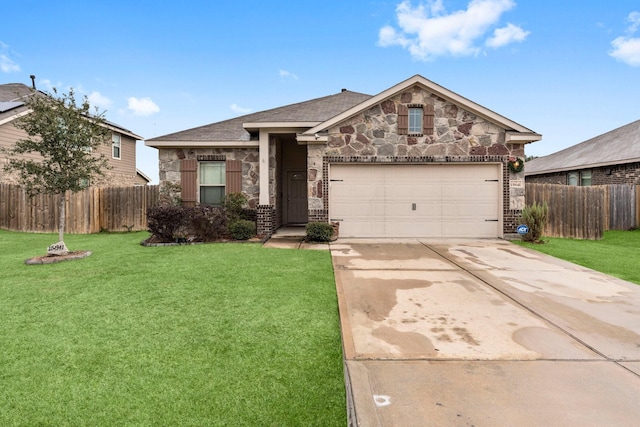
(61, 151)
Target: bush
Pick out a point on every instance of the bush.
(205, 223)
(535, 217)
(319, 232)
(166, 222)
(242, 229)
(233, 205)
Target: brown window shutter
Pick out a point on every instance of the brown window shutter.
(233, 176)
(188, 181)
(428, 119)
(403, 119)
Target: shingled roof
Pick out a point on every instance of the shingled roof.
(11, 104)
(621, 145)
(313, 111)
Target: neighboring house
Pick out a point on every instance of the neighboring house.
(415, 160)
(121, 153)
(611, 158)
(141, 178)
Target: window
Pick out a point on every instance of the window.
(212, 183)
(115, 146)
(415, 120)
(582, 178)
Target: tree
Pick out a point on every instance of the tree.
(64, 137)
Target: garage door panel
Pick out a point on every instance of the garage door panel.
(435, 200)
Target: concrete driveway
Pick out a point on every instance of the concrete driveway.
(484, 333)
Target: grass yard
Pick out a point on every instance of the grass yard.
(617, 254)
(202, 335)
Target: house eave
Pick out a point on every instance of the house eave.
(305, 139)
(278, 126)
(582, 167)
(202, 144)
(15, 116)
(123, 132)
(522, 137)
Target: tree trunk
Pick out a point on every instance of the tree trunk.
(63, 217)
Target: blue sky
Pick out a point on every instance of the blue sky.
(567, 69)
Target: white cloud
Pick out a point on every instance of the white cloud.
(507, 35)
(7, 65)
(634, 18)
(238, 109)
(428, 31)
(286, 74)
(98, 100)
(627, 48)
(142, 106)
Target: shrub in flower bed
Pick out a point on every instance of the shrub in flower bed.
(179, 224)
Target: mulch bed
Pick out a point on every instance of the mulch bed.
(52, 259)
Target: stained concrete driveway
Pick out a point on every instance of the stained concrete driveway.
(484, 333)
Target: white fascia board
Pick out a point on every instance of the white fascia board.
(523, 138)
(142, 174)
(433, 88)
(280, 126)
(123, 132)
(312, 139)
(202, 144)
(15, 116)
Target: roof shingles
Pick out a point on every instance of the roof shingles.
(312, 111)
(621, 145)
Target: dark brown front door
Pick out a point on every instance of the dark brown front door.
(296, 197)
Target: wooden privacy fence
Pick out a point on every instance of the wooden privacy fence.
(586, 212)
(89, 211)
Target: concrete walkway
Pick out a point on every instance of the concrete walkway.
(484, 333)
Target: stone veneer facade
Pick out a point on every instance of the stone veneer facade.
(459, 137)
(170, 166)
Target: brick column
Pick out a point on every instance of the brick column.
(265, 219)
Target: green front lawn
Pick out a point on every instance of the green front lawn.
(617, 254)
(202, 335)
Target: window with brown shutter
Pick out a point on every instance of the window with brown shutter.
(188, 181)
(428, 119)
(415, 119)
(212, 182)
(403, 120)
(234, 176)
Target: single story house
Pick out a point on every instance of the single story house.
(611, 158)
(415, 160)
(121, 153)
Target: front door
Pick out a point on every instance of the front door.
(296, 197)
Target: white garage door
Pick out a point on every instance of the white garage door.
(432, 200)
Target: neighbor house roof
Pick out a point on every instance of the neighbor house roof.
(303, 114)
(12, 106)
(621, 145)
